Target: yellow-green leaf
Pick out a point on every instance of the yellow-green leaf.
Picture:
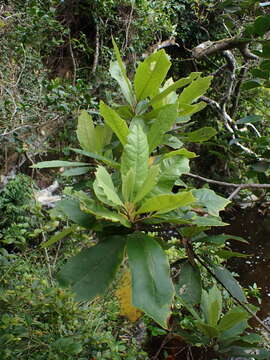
(150, 74)
(167, 202)
(115, 122)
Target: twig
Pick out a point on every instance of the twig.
(48, 260)
(128, 25)
(223, 183)
(236, 97)
(73, 61)
(95, 63)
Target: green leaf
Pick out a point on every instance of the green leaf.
(183, 152)
(118, 72)
(103, 137)
(178, 84)
(89, 206)
(201, 135)
(91, 271)
(251, 84)
(226, 278)
(170, 170)
(104, 188)
(58, 163)
(208, 330)
(208, 221)
(189, 285)
(71, 209)
(165, 119)
(209, 199)
(128, 182)
(104, 159)
(252, 352)
(152, 288)
(189, 110)
(227, 254)
(262, 25)
(250, 119)
(232, 318)
(211, 304)
(59, 236)
(149, 183)
(76, 171)
(86, 132)
(150, 74)
(135, 156)
(196, 89)
(115, 122)
(166, 202)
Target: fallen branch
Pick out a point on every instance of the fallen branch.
(209, 48)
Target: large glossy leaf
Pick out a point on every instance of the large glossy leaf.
(196, 89)
(209, 199)
(166, 202)
(104, 188)
(91, 271)
(189, 285)
(165, 119)
(86, 132)
(152, 288)
(115, 122)
(118, 72)
(149, 183)
(135, 156)
(226, 278)
(58, 163)
(178, 84)
(150, 74)
(71, 209)
(234, 316)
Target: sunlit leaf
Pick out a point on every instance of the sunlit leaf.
(150, 74)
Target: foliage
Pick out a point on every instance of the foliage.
(42, 321)
(16, 203)
(136, 188)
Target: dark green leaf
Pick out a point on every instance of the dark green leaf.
(59, 236)
(152, 288)
(201, 135)
(71, 209)
(76, 171)
(250, 119)
(91, 271)
(226, 278)
(189, 286)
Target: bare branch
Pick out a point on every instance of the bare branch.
(209, 48)
(227, 184)
(95, 63)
